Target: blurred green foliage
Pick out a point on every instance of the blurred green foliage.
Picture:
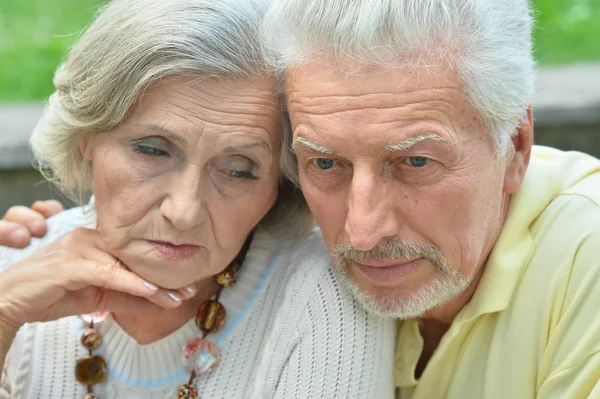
(567, 31)
(34, 35)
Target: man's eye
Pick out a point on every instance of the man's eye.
(324, 163)
(142, 149)
(417, 161)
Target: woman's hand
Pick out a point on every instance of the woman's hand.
(76, 275)
(20, 223)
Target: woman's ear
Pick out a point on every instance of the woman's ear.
(85, 146)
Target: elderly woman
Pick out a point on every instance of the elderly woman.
(193, 270)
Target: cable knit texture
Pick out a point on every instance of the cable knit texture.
(291, 331)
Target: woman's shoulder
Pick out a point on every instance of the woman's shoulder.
(42, 346)
(57, 226)
(312, 280)
(319, 332)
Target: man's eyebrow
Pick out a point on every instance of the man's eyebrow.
(313, 146)
(256, 144)
(408, 143)
(164, 131)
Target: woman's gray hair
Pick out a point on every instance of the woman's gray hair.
(131, 45)
(487, 41)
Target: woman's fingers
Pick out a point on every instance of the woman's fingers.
(47, 208)
(78, 273)
(92, 299)
(96, 252)
(14, 235)
(113, 276)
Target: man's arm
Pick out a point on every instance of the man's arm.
(20, 223)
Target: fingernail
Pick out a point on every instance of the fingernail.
(151, 286)
(175, 297)
(191, 289)
(19, 236)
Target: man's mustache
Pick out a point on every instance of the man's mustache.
(391, 249)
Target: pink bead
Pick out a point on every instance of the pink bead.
(97, 317)
(201, 356)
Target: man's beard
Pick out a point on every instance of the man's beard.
(448, 283)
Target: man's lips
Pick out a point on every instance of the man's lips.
(174, 252)
(388, 272)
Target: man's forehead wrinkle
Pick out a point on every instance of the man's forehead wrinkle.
(320, 108)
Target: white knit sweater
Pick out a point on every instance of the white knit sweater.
(291, 331)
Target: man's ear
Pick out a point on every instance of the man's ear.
(522, 142)
(85, 146)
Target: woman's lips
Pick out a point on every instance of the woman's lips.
(174, 252)
(386, 272)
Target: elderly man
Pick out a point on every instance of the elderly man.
(413, 131)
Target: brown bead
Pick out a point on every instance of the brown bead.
(91, 339)
(227, 278)
(90, 396)
(187, 392)
(91, 370)
(210, 316)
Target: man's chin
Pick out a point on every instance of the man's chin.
(401, 303)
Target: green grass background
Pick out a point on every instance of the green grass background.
(34, 35)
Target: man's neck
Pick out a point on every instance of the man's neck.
(436, 322)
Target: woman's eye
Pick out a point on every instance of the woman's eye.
(142, 149)
(324, 163)
(417, 161)
(241, 174)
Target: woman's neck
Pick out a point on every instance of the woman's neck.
(146, 329)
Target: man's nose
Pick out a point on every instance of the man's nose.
(185, 204)
(372, 214)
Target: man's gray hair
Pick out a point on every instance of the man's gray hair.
(131, 45)
(487, 41)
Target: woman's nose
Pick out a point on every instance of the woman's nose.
(185, 204)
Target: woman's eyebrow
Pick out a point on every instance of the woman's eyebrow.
(164, 131)
(257, 144)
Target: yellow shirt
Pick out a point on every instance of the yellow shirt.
(532, 329)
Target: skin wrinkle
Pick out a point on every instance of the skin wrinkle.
(261, 103)
(317, 105)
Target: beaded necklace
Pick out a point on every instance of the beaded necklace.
(199, 355)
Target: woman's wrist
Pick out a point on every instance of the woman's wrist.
(8, 332)
(8, 327)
